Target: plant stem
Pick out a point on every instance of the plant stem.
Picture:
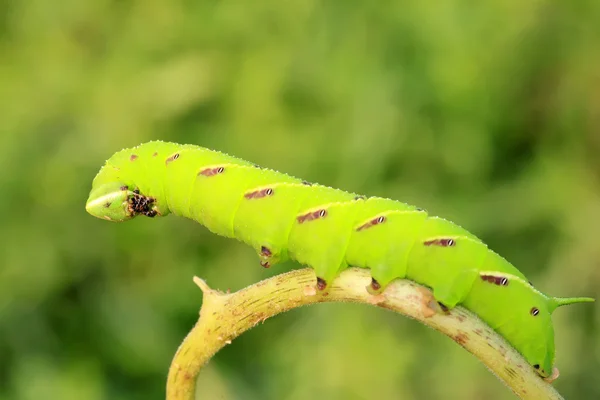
(225, 316)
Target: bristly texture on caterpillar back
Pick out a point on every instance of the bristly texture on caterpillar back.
(283, 217)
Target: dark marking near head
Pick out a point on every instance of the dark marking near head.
(172, 158)
(107, 204)
(136, 191)
(534, 311)
(445, 242)
(321, 284)
(536, 366)
(139, 204)
(264, 250)
(124, 187)
(307, 183)
(496, 280)
(376, 286)
(133, 157)
(443, 307)
(155, 154)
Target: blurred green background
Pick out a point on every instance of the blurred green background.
(485, 113)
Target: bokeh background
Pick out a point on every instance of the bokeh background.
(485, 113)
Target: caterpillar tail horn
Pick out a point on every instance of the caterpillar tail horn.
(556, 302)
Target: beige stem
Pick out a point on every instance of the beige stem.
(223, 317)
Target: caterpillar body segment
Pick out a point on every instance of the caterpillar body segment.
(283, 217)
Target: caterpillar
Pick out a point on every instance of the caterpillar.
(327, 229)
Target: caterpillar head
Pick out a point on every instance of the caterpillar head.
(114, 200)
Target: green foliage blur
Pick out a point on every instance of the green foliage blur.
(486, 113)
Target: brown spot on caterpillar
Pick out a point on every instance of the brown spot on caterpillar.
(265, 264)
(374, 288)
(311, 216)
(321, 284)
(446, 242)
(107, 204)
(443, 307)
(172, 158)
(155, 154)
(259, 194)
(375, 285)
(375, 221)
(211, 171)
(264, 250)
(124, 187)
(133, 157)
(461, 338)
(534, 311)
(496, 280)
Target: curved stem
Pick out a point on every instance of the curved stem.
(223, 317)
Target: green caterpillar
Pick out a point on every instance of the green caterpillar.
(283, 217)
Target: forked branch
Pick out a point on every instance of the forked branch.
(223, 317)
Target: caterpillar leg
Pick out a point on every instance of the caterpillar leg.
(262, 219)
(381, 240)
(455, 291)
(321, 233)
(446, 258)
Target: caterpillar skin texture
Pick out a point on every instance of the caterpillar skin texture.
(283, 217)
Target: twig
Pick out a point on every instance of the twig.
(223, 317)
